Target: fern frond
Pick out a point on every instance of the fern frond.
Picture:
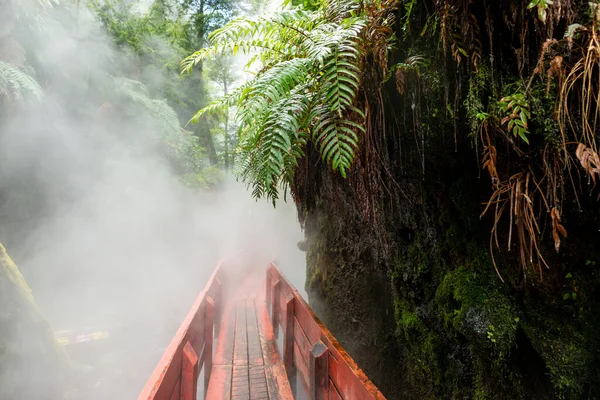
(337, 10)
(220, 106)
(16, 82)
(158, 110)
(276, 143)
(336, 139)
(305, 91)
(341, 78)
(279, 33)
(272, 85)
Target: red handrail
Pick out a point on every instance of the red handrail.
(176, 375)
(326, 370)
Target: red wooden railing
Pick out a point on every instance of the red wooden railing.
(176, 375)
(326, 370)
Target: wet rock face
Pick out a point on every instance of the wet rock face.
(476, 322)
(424, 312)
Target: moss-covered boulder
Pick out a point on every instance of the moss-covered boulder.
(32, 364)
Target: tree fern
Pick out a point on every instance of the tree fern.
(158, 110)
(305, 90)
(16, 83)
(181, 144)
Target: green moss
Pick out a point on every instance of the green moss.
(10, 270)
(423, 348)
(477, 309)
(27, 343)
(565, 354)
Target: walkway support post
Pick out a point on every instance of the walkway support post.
(288, 340)
(276, 306)
(189, 373)
(319, 371)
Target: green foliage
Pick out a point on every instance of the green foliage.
(422, 342)
(137, 31)
(477, 310)
(204, 179)
(17, 83)
(516, 110)
(158, 110)
(565, 353)
(183, 147)
(305, 90)
(542, 7)
(159, 39)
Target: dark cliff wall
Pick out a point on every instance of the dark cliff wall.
(421, 307)
(398, 257)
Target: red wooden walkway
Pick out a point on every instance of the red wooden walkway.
(245, 318)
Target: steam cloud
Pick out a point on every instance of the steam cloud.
(100, 226)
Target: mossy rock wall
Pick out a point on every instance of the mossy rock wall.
(32, 363)
(419, 305)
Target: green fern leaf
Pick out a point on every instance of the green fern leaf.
(16, 83)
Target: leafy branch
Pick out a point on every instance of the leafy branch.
(516, 110)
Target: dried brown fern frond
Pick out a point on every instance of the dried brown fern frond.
(590, 161)
(400, 79)
(556, 71)
(402, 70)
(540, 68)
(472, 32)
(517, 194)
(489, 155)
(557, 228)
(378, 32)
(581, 87)
(460, 31)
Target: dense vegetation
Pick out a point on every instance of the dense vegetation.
(383, 118)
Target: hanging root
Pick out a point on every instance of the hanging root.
(517, 194)
(581, 86)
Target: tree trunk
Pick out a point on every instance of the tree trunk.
(226, 142)
(32, 363)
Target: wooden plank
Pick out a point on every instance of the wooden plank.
(207, 357)
(278, 386)
(319, 376)
(217, 296)
(240, 348)
(288, 339)
(346, 381)
(219, 387)
(197, 341)
(176, 393)
(196, 331)
(258, 382)
(302, 341)
(225, 341)
(276, 306)
(333, 392)
(306, 321)
(170, 376)
(189, 373)
(255, 356)
(302, 369)
(240, 385)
